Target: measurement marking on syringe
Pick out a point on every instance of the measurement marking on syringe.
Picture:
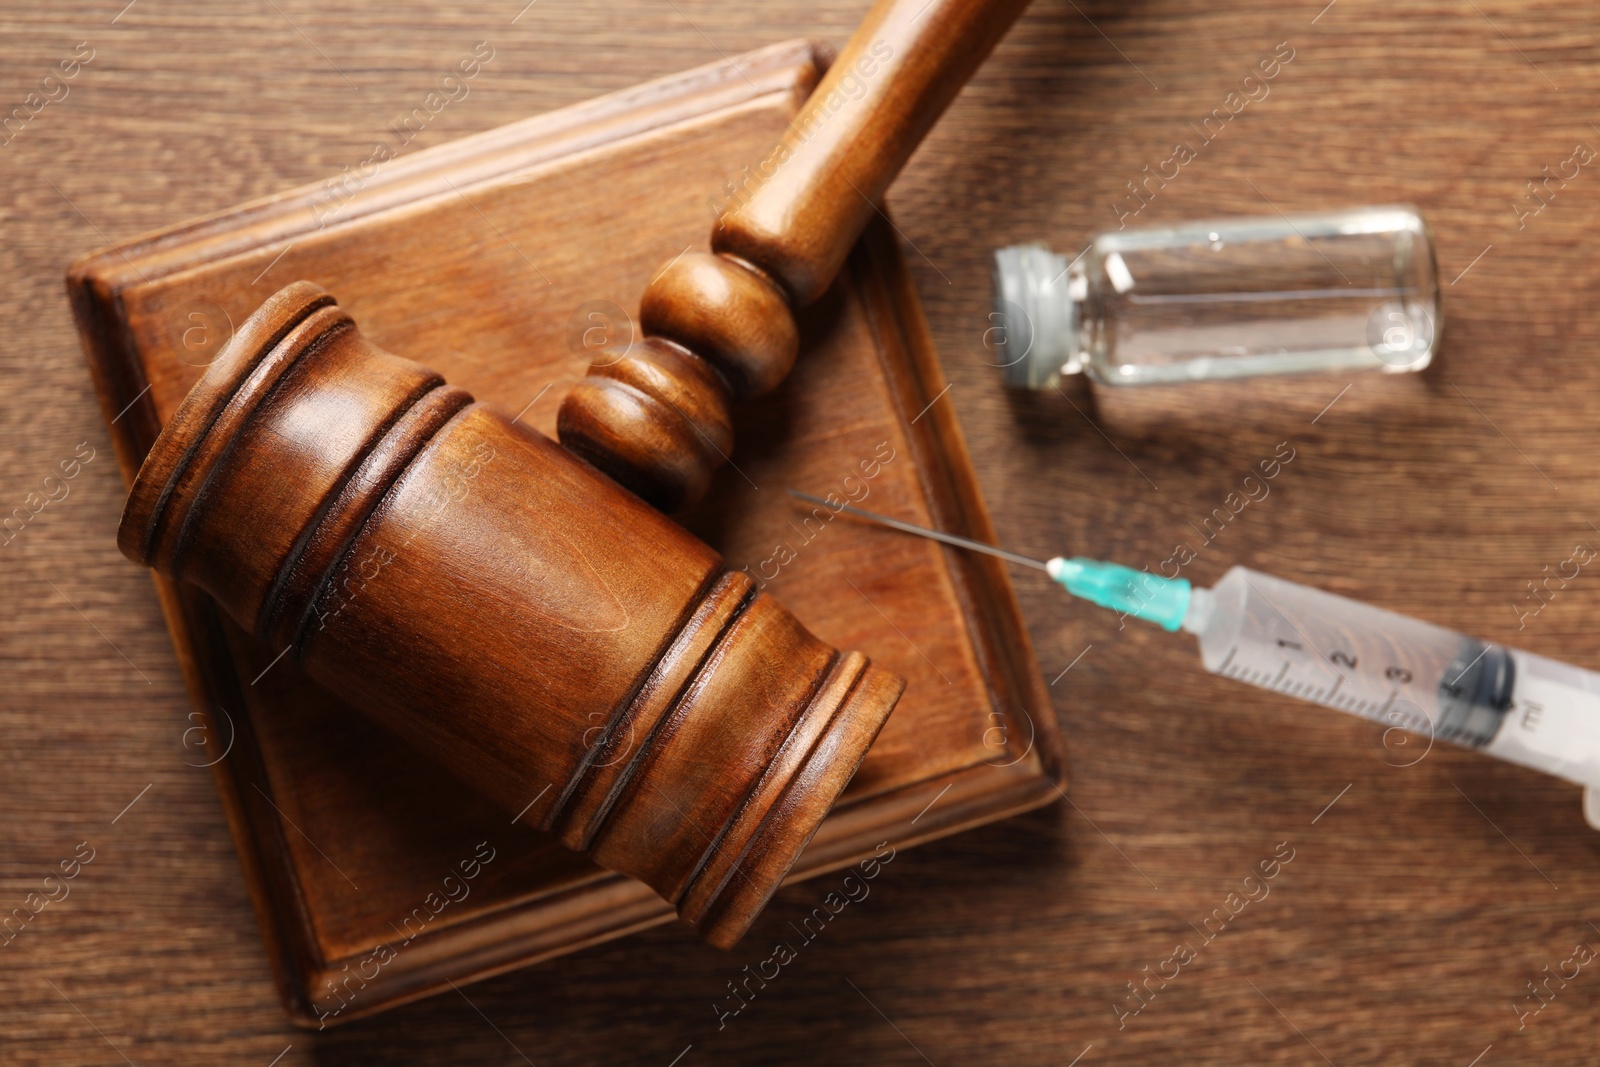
(1332, 694)
(1387, 703)
(1353, 704)
(1265, 600)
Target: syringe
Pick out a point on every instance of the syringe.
(1343, 654)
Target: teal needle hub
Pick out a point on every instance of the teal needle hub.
(1163, 601)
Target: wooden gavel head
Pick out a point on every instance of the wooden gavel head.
(556, 642)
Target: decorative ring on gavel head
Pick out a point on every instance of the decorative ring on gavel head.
(657, 419)
(548, 636)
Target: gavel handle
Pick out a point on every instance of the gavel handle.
(720, 327)
(904, 64)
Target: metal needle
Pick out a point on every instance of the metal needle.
(923, 531)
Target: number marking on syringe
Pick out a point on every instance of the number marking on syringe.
(1332, 661)
(1338, 661)
(1303, 689)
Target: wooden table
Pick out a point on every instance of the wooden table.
(1419, 902)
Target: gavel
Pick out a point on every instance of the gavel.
(518, 609)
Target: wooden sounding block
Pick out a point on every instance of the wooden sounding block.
(377, 876)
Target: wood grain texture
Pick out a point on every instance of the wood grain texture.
(1412, 915)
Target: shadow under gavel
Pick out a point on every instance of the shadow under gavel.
(505, 606)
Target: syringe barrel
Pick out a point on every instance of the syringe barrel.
(1405, 673)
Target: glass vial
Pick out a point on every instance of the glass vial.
(1231, 298)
